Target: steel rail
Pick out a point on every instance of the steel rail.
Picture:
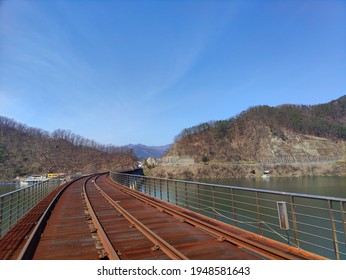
(107, 245)
(158, 242)
(261, 249)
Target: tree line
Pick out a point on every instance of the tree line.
(323, 120)
(59, 135)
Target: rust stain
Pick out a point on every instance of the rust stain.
(95, 218)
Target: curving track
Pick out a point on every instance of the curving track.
(95, 218)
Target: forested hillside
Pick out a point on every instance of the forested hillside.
(264, 133)
(25, 150)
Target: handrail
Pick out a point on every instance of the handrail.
(15, 204)
(23, 188)
(316, 223)
(244, 188)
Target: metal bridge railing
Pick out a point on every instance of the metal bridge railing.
(313, 223)
(14, 205)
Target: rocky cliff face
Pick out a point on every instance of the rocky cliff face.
(288, 132)
(257, 143)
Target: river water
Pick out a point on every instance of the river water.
(5, 188)
(334, 186)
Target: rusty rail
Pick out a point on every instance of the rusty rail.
(96, 218)
(111, 253)
(158, 242)
(316, 224)
(265, 249)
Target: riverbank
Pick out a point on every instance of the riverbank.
(215, 170)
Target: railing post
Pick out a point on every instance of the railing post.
(342, 209)
(1, 211)
(11, 212)
(259, 215)
(25, 193)
(186, 195)
(199, 198)
(333, 228)
(25, 201)
(160, 189)
(17, 206)
(39, 189)
(234, 208)
(150, 187)
(44, 189)
(294, 221)
(213, 201)
(167, 191)
(145, 183)
(31, 197)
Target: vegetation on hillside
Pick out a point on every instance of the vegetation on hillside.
(249, 136)
(324, 120)
(25, 150)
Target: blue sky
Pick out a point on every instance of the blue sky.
(123, 72)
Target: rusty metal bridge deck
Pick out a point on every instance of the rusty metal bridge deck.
(95, 218)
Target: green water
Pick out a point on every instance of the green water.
(334, 186)
(6, 188)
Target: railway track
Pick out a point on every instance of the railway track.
(150, 232)
(96, 218)
(11, 245)
(263, 247)
(158, 242)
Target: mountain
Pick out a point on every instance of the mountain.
(287, 134)
(143, 151)
(25, 150)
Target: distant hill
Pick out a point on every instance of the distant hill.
(143, 151)
(287, 133)
(25, 150)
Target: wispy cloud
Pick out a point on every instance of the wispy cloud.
(125, 64)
